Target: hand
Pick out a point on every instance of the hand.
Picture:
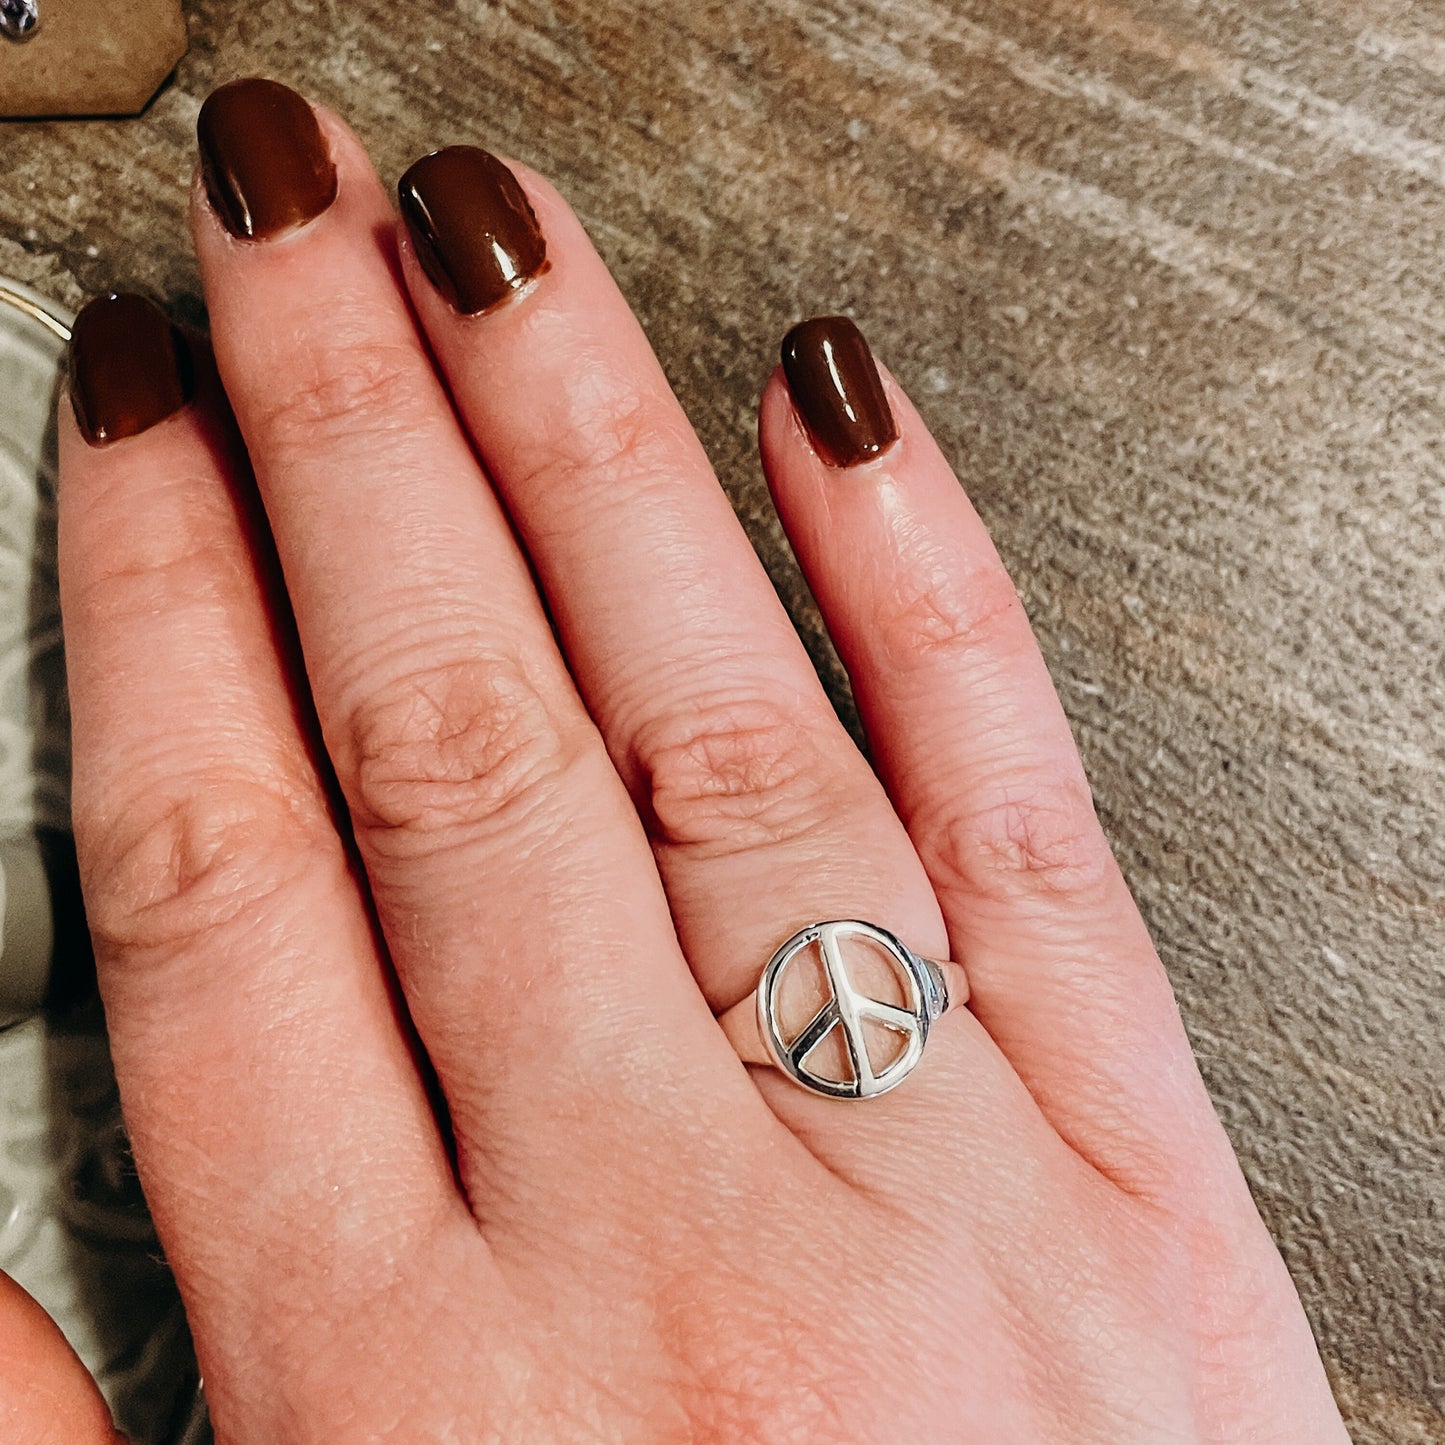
(574, 849)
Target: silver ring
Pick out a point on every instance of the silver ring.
(18, 18)
(874, 1040)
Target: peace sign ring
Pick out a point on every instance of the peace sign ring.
(844, 1009)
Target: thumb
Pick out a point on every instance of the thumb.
(46, 1395)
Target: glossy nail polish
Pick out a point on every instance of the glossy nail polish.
(837, 391)
(129, 368)
(265, 162)
(474, 230)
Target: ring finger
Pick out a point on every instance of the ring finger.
(763, 814)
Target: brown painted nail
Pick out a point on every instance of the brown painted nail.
(837, 391)
(129, 368)
(264, 159)
(474, 230)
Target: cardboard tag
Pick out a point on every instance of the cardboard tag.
(91, 57)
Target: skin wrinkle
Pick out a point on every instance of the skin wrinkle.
(930, 610)
(168, 874)
(446, 624)
(731, 773)
(1037, 841)
(603, 426)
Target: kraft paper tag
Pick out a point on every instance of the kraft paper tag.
(91, 57)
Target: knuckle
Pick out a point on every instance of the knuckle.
(1037, 841)
(613, 438)
(939, 616)
(731, 775)
(172, 870)
(452, 748)
(614, 435)
(368, 386)
(180, 549)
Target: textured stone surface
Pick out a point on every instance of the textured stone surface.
(92, 57)
(1167, 279)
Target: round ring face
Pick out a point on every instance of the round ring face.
(873, 1041)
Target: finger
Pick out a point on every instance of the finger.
(975, 750)
(763, 815)
(46, 1395)
(278, 1121)
(515, 888)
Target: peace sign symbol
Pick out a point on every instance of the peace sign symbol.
(849, 1010)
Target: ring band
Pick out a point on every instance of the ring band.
(924, 990)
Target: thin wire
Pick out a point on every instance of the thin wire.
(35, 311)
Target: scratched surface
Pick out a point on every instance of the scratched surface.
(1168, 280)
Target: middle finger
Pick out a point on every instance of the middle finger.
(751, 789)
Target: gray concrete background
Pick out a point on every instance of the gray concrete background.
(1167, 279)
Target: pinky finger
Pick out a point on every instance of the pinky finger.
(976, 753)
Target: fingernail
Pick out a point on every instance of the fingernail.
(129, 368)
(264, 160)
(837, 391)
(475, 233)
